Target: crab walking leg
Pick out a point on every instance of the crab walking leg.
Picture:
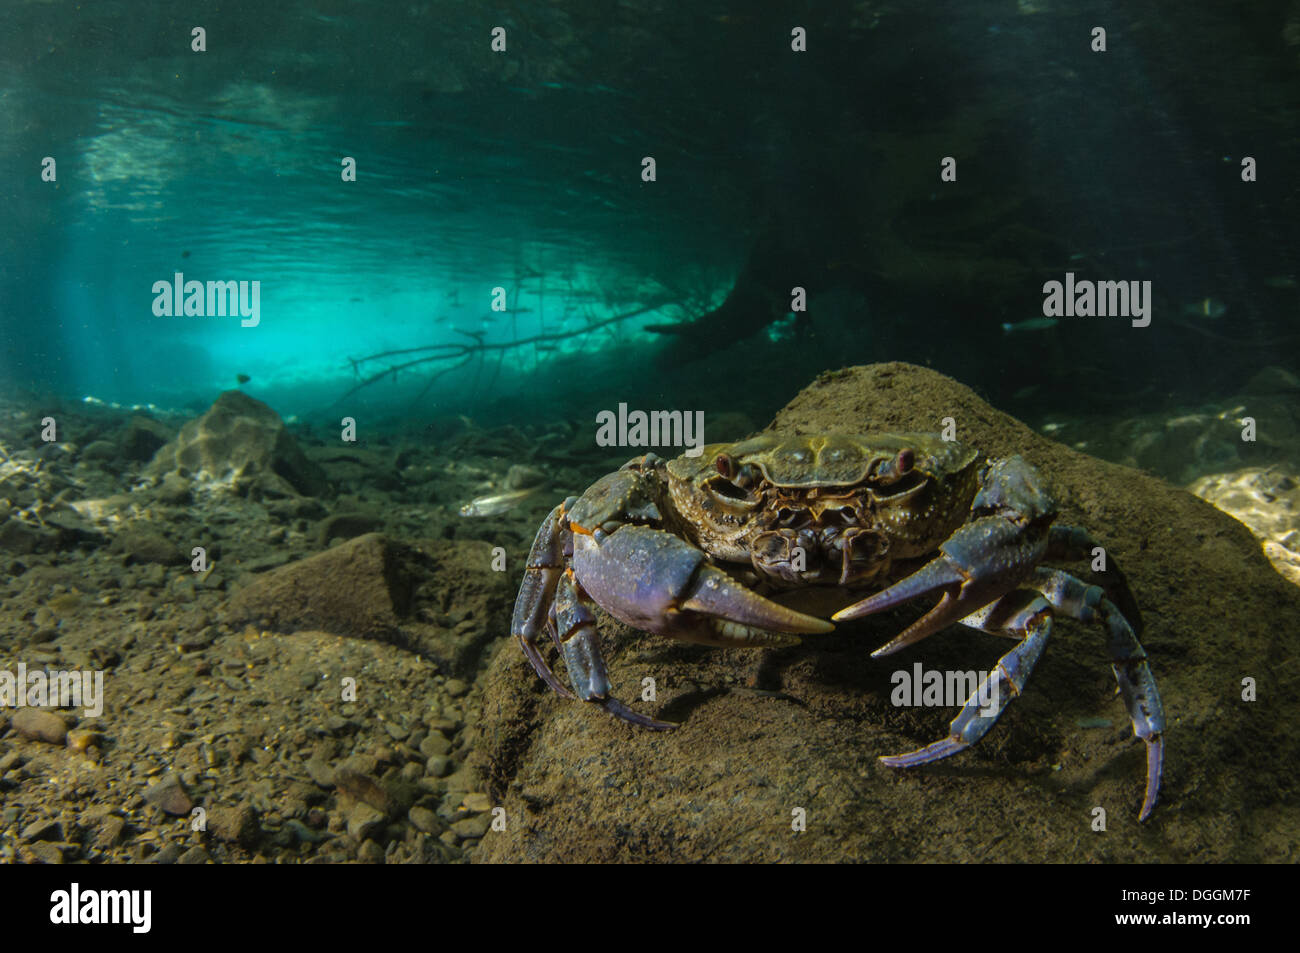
(1074, 543)
(986, 704)
(537, 592)
(1063, 592)
(575, 621)
(1128, 661)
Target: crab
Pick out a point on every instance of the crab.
(677, 548)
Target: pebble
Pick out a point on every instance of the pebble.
(234, 825)
(46, 853)
(40, 725)
(148, 547)
(168, 855)
(80, 739)
(320, 771)
(305, 833)
(455, 687)
(364, 820)
(174, 489)
(49, 829)
(438, 766)
(362, 788)
(477, 802)
(169, 796)
(435, 743)
(423, 819)
(370, 853)
(196, 641)
(110, 831)
(463, 780)
(472, 827)
(195, 855)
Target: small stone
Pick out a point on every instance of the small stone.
(169, 796)
(195, 855)
(46, 853)
(49, 829)
(423, 819)
(370, 853)
(438, 766)
(234, 825)
(464, 780)
(168, 855)
(364, 821)
(11, 760)
(347, 526)
(174, 489)
(455, 687)
(361, 787)
(472, 827)
(99, 451)
(40, 725)
(477, 802)
(435, 743)
(320, 771)
(80, 739)
(110, 831)
(521, 477)
(196, 641)
(143, 546)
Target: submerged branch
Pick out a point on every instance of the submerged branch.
(461, 353)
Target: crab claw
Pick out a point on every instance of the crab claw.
(655, 581)
(981, 561)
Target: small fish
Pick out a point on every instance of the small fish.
(1211, 308)
(1093, 722)
(498, 503)
(1280, 281)
(185, 254)
(243, 378)
(1033, 324)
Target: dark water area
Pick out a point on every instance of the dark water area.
(340, 293)
(522, 170)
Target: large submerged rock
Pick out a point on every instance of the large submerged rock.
(443, 603)
(767, 737)
(243, 444)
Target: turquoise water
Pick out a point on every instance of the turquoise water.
(522, 170)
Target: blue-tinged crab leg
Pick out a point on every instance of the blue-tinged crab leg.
(536, 593)
(986, 704)
(1063, 592)
(1076, 543)
(1128, 661)
(575, 621)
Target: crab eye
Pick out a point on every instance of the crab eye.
(906, 458)
(725, 465)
